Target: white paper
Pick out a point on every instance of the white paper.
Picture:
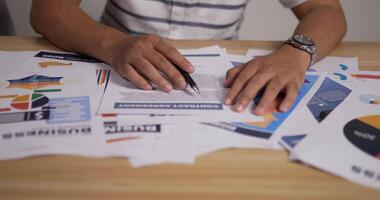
(44, 107)
(13, 58)
(210, 72)
(347, 143)
(321, 101)
(335, 92)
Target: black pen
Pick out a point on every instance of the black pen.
(188, 79)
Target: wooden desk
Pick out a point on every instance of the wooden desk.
(229, 174)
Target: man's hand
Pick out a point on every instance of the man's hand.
(281, 71)
(149, 59)
(143, 60)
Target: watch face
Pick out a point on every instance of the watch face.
(304, 40)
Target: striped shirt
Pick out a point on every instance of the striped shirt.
(180, 19)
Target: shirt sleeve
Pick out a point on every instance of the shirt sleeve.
(291, 3)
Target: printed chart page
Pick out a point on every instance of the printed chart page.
(45, 106)
(348, 141)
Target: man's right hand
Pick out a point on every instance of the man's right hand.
(143, 60)
(149, 59)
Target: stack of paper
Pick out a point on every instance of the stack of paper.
(69, 104)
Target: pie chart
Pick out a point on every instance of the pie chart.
(370, 99)
(364, 133)
(25, 102)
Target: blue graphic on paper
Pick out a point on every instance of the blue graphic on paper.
(70, 109)
(280, 117)
(343, 67)
(327, 98)
(292, 140)
(178, 106)
(275, 119)
(341, 76)
(36, 79)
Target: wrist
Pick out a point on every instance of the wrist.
(300, 57)
(304, 43)
(110, 42)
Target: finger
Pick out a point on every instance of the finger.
(173, 55)
(290, 97)
(134, 77)
(231, 75)
(240, 81)
(145, 68)
(252, 88)
(167, 68)
(271, 92)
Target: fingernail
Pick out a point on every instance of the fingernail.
(239, 108)
(168, 87)
(148, 87)
(225, 82)
(284, 108)
(259, 110)
(191, 68)
(183, 83)
(227, 101)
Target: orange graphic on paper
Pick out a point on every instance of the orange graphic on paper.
(53, 64)
(268, 117)
(7, 109)
(123, 139)
(376, 101)
(373, 120)
(8, 96)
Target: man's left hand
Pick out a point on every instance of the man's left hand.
(281, 71)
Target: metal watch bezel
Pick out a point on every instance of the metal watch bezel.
(304, 43)
(303, 40)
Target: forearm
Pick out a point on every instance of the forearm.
(68, 27)
(326, 25)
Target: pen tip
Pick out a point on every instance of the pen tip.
(197, 90)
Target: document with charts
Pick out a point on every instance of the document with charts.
(324, 101)
(44, 60)
(268, 128)
(121, 97)
(333, 91)
(47, 106)
(348, 141)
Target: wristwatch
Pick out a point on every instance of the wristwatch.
(304, 43)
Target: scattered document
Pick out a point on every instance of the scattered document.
(122, 98)
(348, 143)
(13, 58)
(40, 106)
(328, 97)
(48, 108)
(266, 129)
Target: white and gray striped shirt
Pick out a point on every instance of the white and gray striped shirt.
(180, 19)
